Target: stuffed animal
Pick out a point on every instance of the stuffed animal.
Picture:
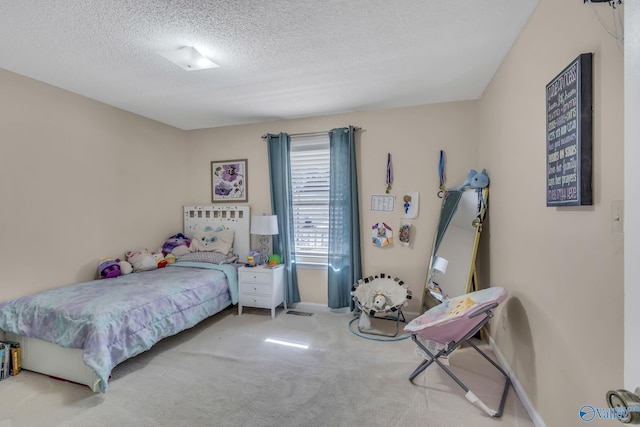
(125, 267)
(109, 268)
(380, 300)
(174, 242)
(160, 261)
(170, 258)
(474, 180)
(141, 260)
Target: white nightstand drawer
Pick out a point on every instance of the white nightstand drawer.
(255, 277)
(261, 287)
(247, 288)
(260, 301)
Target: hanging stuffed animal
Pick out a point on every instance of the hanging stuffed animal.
(474, 179)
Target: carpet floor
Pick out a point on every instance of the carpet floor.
(233, 370)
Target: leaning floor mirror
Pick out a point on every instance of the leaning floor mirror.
(452, 266)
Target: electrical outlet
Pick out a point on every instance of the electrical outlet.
(617, 216)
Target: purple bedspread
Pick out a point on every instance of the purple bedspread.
(114, 319)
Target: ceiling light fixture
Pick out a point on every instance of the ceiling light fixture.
(188, 58)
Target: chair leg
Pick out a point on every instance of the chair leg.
(425, 363)
(507, 383)
(469, 395)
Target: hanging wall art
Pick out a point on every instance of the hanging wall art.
(381, 234)
(229, 181)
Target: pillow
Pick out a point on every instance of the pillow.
(207, 240)
(211, 256)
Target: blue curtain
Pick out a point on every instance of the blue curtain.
(279, 147)
(345, 266)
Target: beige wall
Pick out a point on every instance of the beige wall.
(561, 330)
(79, 181)
(413, 136)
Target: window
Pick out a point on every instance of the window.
(310, 193)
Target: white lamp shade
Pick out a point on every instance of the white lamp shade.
(440, 265)
(264, 225)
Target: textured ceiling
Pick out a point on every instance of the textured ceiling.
(278, 59)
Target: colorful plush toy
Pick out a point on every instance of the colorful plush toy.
(275, 260)
(175, 242)
(109, 268)
(170, 258)
(141, 260)
(160, 261)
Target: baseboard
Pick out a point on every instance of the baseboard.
(535, 417)
(409, 315)
(312, 306)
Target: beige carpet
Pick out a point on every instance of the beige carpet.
(223, 373)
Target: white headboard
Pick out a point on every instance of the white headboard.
(236, 218)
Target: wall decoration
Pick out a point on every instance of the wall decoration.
(389, 178)
(411, 201)
(404, 233)
(383, 203)
(569, 135)
(229, 181)
(381, 234)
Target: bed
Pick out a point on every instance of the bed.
(82, 331)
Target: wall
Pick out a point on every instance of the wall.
(561, 329)
(632, 201)
(413, 136)
(79, 181)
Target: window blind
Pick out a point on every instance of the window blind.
(310, 191)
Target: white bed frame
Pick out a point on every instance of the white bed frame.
(66, 363)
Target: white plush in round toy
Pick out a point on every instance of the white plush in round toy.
(380, 301)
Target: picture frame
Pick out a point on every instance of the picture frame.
(569, 128)
(229, 181)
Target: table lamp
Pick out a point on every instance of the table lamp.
(264, 226)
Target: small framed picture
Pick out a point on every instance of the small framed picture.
(229, 181)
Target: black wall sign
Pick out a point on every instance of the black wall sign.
(569, 135)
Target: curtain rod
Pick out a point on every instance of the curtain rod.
(311, 133)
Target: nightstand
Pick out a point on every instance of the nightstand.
(261, 287)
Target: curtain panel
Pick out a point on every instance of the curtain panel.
(279, 148)
(345, 267)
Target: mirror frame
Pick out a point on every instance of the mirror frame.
(428, 299)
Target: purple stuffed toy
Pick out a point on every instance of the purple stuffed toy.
(175, 241)
(109, 268)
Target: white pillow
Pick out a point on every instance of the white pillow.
(207, 240)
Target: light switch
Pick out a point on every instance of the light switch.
(617, 216)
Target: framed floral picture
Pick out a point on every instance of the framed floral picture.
(229, 181)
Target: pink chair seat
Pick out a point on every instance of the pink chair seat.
(450, 321)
